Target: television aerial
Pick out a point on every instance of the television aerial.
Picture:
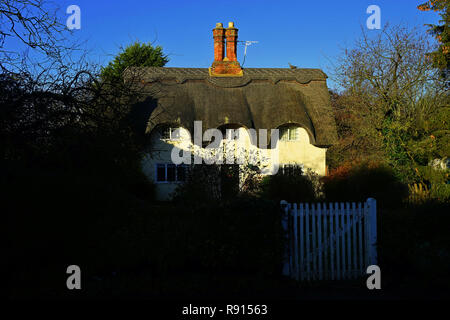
(246, 44)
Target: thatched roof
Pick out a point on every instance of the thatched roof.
(262, 98)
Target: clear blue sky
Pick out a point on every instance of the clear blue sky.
(304, 33)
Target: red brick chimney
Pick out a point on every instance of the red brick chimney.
(219, 42)
(231, 34)
(228, 66)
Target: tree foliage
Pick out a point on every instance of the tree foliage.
(135, 55)
(441, 31)
(61, 142)
(392, 106)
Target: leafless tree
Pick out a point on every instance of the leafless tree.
(391, 97)
(34, 25)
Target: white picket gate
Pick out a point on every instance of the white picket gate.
(329, 241)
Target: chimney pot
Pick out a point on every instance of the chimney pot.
(225, 66)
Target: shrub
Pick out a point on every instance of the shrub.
(364, 181)
(212, 183)
(414, 244)
(438, 182)
(240, 235)
(61, 218)
(202, 185)
(293, 187)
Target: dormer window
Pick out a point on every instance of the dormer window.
(170, 133)
(231, 134)
(289, 133)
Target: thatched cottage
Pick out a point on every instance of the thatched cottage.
(226, 96)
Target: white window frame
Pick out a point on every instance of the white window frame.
(171, 130)
(287, 136)
(231, 134)
(165, 172)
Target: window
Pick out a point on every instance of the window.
(181, 173)
(230, 134)
(170, 133)
(160, 172)
(289, 133)
(291, 169)
(169, 172)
